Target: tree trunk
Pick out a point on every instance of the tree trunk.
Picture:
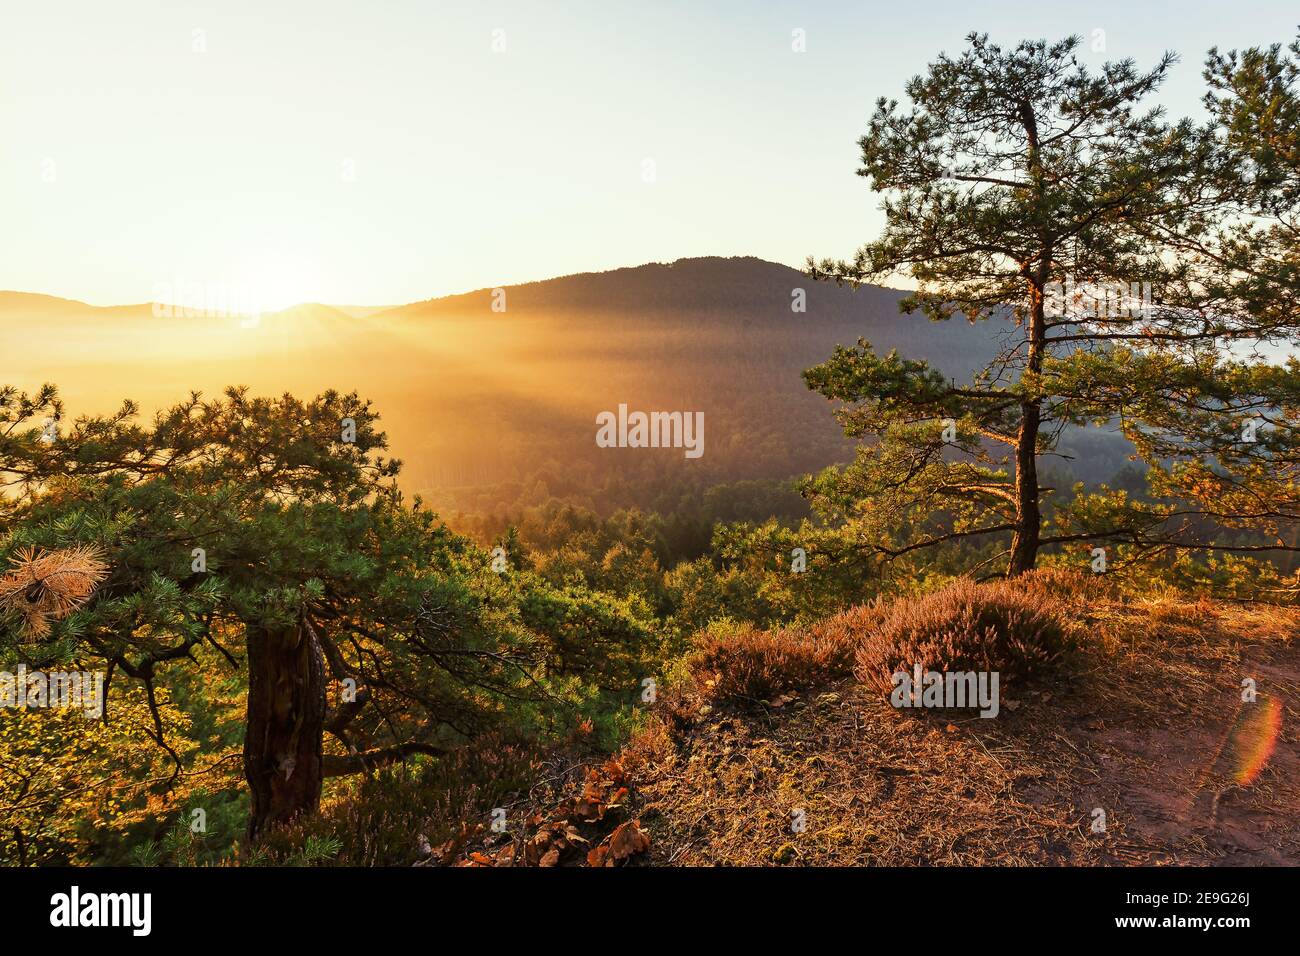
(286, 720)
(1024, 545)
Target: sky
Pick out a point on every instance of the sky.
(389, 151)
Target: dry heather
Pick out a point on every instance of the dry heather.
(1012, 627)
(755, 666)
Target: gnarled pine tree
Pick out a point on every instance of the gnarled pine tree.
(254, 523)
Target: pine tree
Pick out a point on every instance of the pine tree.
(253, 528)
(1122, 256)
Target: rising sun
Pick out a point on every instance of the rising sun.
(272, 279)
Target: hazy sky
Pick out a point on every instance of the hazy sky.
(383, 152)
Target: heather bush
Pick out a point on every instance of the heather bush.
(1013, 627)
(749, 665)
(1070, 584)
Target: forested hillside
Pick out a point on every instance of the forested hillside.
(718, 336)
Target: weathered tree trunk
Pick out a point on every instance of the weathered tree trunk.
(1024, 545)
(286, 720)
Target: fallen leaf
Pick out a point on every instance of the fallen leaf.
(627, 839)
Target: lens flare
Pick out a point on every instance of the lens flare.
(1253, 738)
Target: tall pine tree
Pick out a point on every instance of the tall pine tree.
(1122, 255)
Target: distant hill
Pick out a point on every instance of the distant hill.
(15, 305)
(33, 303)
(743, 294)
(495, 409)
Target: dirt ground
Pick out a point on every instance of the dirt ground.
(1151, 730)
(1147, 727)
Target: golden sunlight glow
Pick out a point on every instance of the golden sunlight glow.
(270, 279)
(259, 280)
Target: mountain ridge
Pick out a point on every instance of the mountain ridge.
(11, 299)
(721, 336)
